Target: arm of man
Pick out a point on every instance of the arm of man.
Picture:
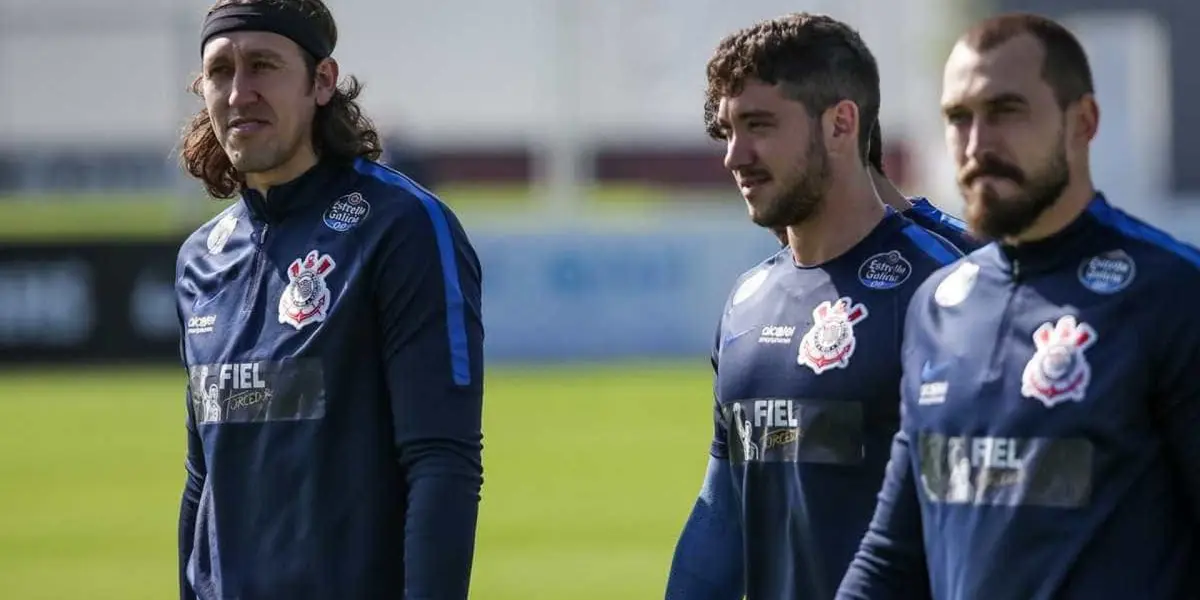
(194, 466)
(428, 282)
(1177, 397)
(890, 563)
(708, 556)
(707, 564)
(190, 503)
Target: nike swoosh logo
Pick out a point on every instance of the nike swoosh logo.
(733, 336)
(930, 372)
(198, 304)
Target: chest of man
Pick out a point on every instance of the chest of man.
(269, 313)
(1021, 395)
(807, 376)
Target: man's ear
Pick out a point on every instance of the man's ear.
(1086, 114)
(325, 81)
(840, 124)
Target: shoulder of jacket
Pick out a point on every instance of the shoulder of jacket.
(392, 193)
(202, 237)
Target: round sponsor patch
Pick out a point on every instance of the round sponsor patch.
(885, 270)
(750, 285)
(957, 285)
(1107, 273)
(346, 212)
(220, 233)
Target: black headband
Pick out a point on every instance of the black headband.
(266, 16)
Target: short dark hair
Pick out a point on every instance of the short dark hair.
(819, 60)
(341, 132)
(1065, 66)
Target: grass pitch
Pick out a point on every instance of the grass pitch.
(140, 215)
(589, 475)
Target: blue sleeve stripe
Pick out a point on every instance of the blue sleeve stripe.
(954, 222)
(1136, 229)
(456, 320)
(933, 213)
(930, 244)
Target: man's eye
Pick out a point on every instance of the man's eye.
(958, 118)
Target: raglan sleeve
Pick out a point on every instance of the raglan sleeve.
(429, 299)
(707, 563)
(719, 448)
(190, 503)
(1176, 397)
(890, 563)
(954, 231)
(195, 473)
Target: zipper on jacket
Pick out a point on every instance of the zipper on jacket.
(253, 283)
(996, 364)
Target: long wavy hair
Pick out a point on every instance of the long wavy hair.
(340, 130)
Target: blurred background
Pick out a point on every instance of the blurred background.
(567, 135)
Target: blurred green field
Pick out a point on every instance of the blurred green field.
(141, 215)
(589, 475)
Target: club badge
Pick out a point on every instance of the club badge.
(1059, 371)
(830, 342)
(305, 300)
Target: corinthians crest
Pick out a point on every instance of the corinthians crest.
(305, 300)
(830, 342)
(1058, 371)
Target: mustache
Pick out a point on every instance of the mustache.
(991, 167)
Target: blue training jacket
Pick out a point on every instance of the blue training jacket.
(333, 342)
(1050, 404)
(800, 443)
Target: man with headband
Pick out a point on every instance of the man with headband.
(332, 336)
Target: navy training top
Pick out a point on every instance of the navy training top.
(807, 400)
(333, 341)
(1048, 447)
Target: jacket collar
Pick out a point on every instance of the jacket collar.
(1068, 245)
(313, 186)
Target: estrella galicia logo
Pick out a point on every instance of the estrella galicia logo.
(346, 212)
(885, 270)
(1107, 273)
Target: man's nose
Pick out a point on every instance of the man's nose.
(980, 140)
(738, 153)
(243, 91)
